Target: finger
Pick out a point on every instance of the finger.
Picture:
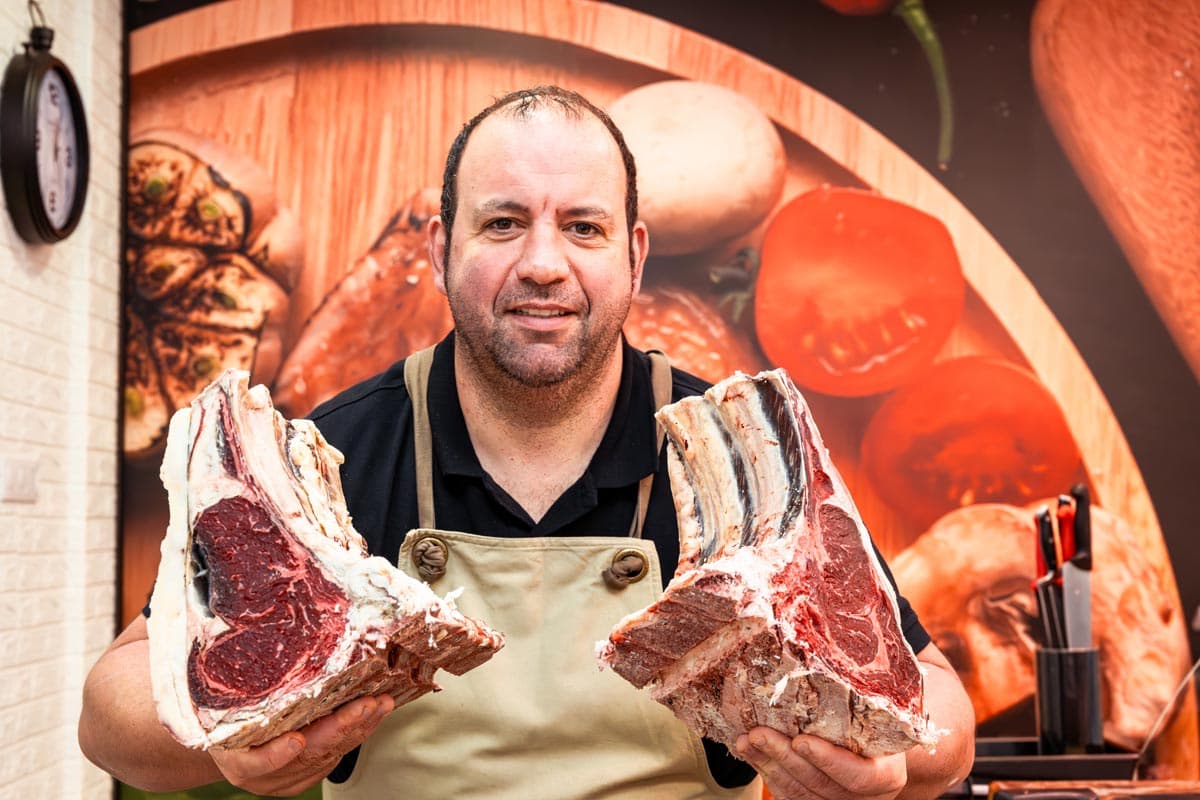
(871, 777)
(298, 760)
(243, 764)
(769, 753)
(280, 751)
(331, 737)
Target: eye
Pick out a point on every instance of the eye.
(503, 225)
(584, 229)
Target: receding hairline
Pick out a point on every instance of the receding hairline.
(534, 116)
(522, 104)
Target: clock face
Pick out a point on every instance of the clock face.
(57, 149)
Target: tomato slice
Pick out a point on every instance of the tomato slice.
(971, 430)
(856, 293)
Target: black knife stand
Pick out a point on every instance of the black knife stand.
(1070, 740)
(1069, 717)
(1017, 759)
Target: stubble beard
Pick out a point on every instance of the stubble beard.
(524, 364)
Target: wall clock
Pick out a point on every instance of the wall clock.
(43, 142)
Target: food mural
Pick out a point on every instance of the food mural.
(283, 161)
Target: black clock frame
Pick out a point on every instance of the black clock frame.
(18, 137)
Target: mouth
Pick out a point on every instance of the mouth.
(542, 311)
(542, 320)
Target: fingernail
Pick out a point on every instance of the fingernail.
(800, 746)
(295, 746)
(759, 741)
(367, 710)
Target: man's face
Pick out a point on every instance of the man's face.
(540, 269)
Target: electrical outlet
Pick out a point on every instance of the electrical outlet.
(18, 480)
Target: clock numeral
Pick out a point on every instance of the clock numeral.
(70, 157)
(37, 140)
(53, 95)
(53, 201)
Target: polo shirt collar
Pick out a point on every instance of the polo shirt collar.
(626, 453)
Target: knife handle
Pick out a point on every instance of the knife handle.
(1049, 548)
(1066, 526)
(1083, 527)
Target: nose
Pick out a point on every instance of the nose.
(544, 258)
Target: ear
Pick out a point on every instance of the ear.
(435, 244)
(639, 247)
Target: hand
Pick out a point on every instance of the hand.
(291, 763)
(807, 766)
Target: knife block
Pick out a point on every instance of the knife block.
(1069, 716)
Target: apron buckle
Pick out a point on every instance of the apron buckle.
(628, 566)
(429, 555)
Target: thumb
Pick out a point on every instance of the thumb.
(280, 751)
(285, 750)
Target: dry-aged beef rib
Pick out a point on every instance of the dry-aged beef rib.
(779, 613)
(267, 612)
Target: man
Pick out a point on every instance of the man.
(526, 440)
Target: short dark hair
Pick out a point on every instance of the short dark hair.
(523, 101)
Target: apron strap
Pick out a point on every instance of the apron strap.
(660, 382)
(416, 380)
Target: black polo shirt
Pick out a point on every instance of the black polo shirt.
(371, 423)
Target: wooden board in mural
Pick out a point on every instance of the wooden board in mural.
(350, 107)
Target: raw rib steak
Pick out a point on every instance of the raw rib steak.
(779, 613)
(267, 612)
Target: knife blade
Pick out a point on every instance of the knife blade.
(1077, 573)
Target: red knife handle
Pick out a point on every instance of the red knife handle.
(1066, 526)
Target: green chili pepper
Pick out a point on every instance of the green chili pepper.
(914, 16)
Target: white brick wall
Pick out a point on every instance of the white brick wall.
(59, 342)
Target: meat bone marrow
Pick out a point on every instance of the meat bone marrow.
(268, 612)
(779, 613)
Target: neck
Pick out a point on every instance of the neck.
(536, 442)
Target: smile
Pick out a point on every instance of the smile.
(540, 312)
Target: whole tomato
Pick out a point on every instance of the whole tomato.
(856, 293)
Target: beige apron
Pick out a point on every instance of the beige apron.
(539, 720)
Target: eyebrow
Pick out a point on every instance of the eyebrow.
(493, 206)
(590, 212)
(597, 213)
